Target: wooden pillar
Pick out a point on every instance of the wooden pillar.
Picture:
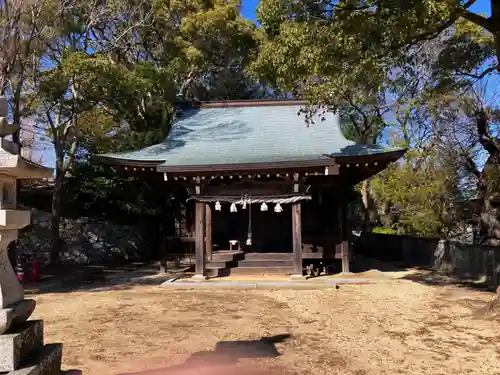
(200, 240)
(297, 239)
(342, 218)
(162, 240)
(208, 230)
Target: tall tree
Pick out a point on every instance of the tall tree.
(424, 188)
(363, 33)
(74, 75)
(472, 143)
(427, 48)
(127, 71)
(23, 35)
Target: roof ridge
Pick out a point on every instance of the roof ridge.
(252, 103)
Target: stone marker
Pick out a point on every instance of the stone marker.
(22, 350)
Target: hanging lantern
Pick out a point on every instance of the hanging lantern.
(278, 208)
(218, 206)
(233, 208)
(244, 204)
(263, 207)
(249, 241)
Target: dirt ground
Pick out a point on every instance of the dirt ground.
(392, 326)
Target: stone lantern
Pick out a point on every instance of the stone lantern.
(22, 350)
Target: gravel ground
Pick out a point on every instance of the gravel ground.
(389, 327)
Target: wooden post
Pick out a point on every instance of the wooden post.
(163, 255)
(163, 242)
(208, 231)
(297, 240)
(200, 240)
(342, 217)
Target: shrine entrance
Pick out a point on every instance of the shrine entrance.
(270, 232)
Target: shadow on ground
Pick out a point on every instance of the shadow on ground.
(420, 274)
(76, 278)
(431, 277)
(225, 355)
(362, 263)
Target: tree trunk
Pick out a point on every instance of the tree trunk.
(489, 223)
(56, 217)
(369, 207)
(364, 199)
(163, 244)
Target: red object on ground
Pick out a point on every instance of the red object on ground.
(20, 273)
(35, 271)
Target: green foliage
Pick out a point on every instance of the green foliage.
(382, 230)
(113, 81)
(425, 192)
(385, 64)
(97, 191)
(340, 50)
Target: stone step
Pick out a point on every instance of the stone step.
(218, 272)
(262, 271)
(268, 256)
(265, 263)
(46, 361)
(221, 264)
(227, 256)
(19, 343)
(225, 259)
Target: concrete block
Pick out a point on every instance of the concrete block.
(16, 345)
(46, 362)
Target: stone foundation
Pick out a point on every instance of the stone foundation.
(23, 351)
(86, 241)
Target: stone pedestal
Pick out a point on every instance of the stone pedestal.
(199, 278)
(22, 349)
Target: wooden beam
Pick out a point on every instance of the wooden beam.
(200, 240)
(297, 239)
(208, 230)
(332, 170)
(342, 219)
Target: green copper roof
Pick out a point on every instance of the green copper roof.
(249, 134)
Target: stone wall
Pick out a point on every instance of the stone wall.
(85, 240)
(470, 261)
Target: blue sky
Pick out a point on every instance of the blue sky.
(249, 7)
(482, 6)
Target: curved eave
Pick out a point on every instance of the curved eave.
(19, 168)
(383, 157)
(36, 171)
(386, 156)
(113, 160)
